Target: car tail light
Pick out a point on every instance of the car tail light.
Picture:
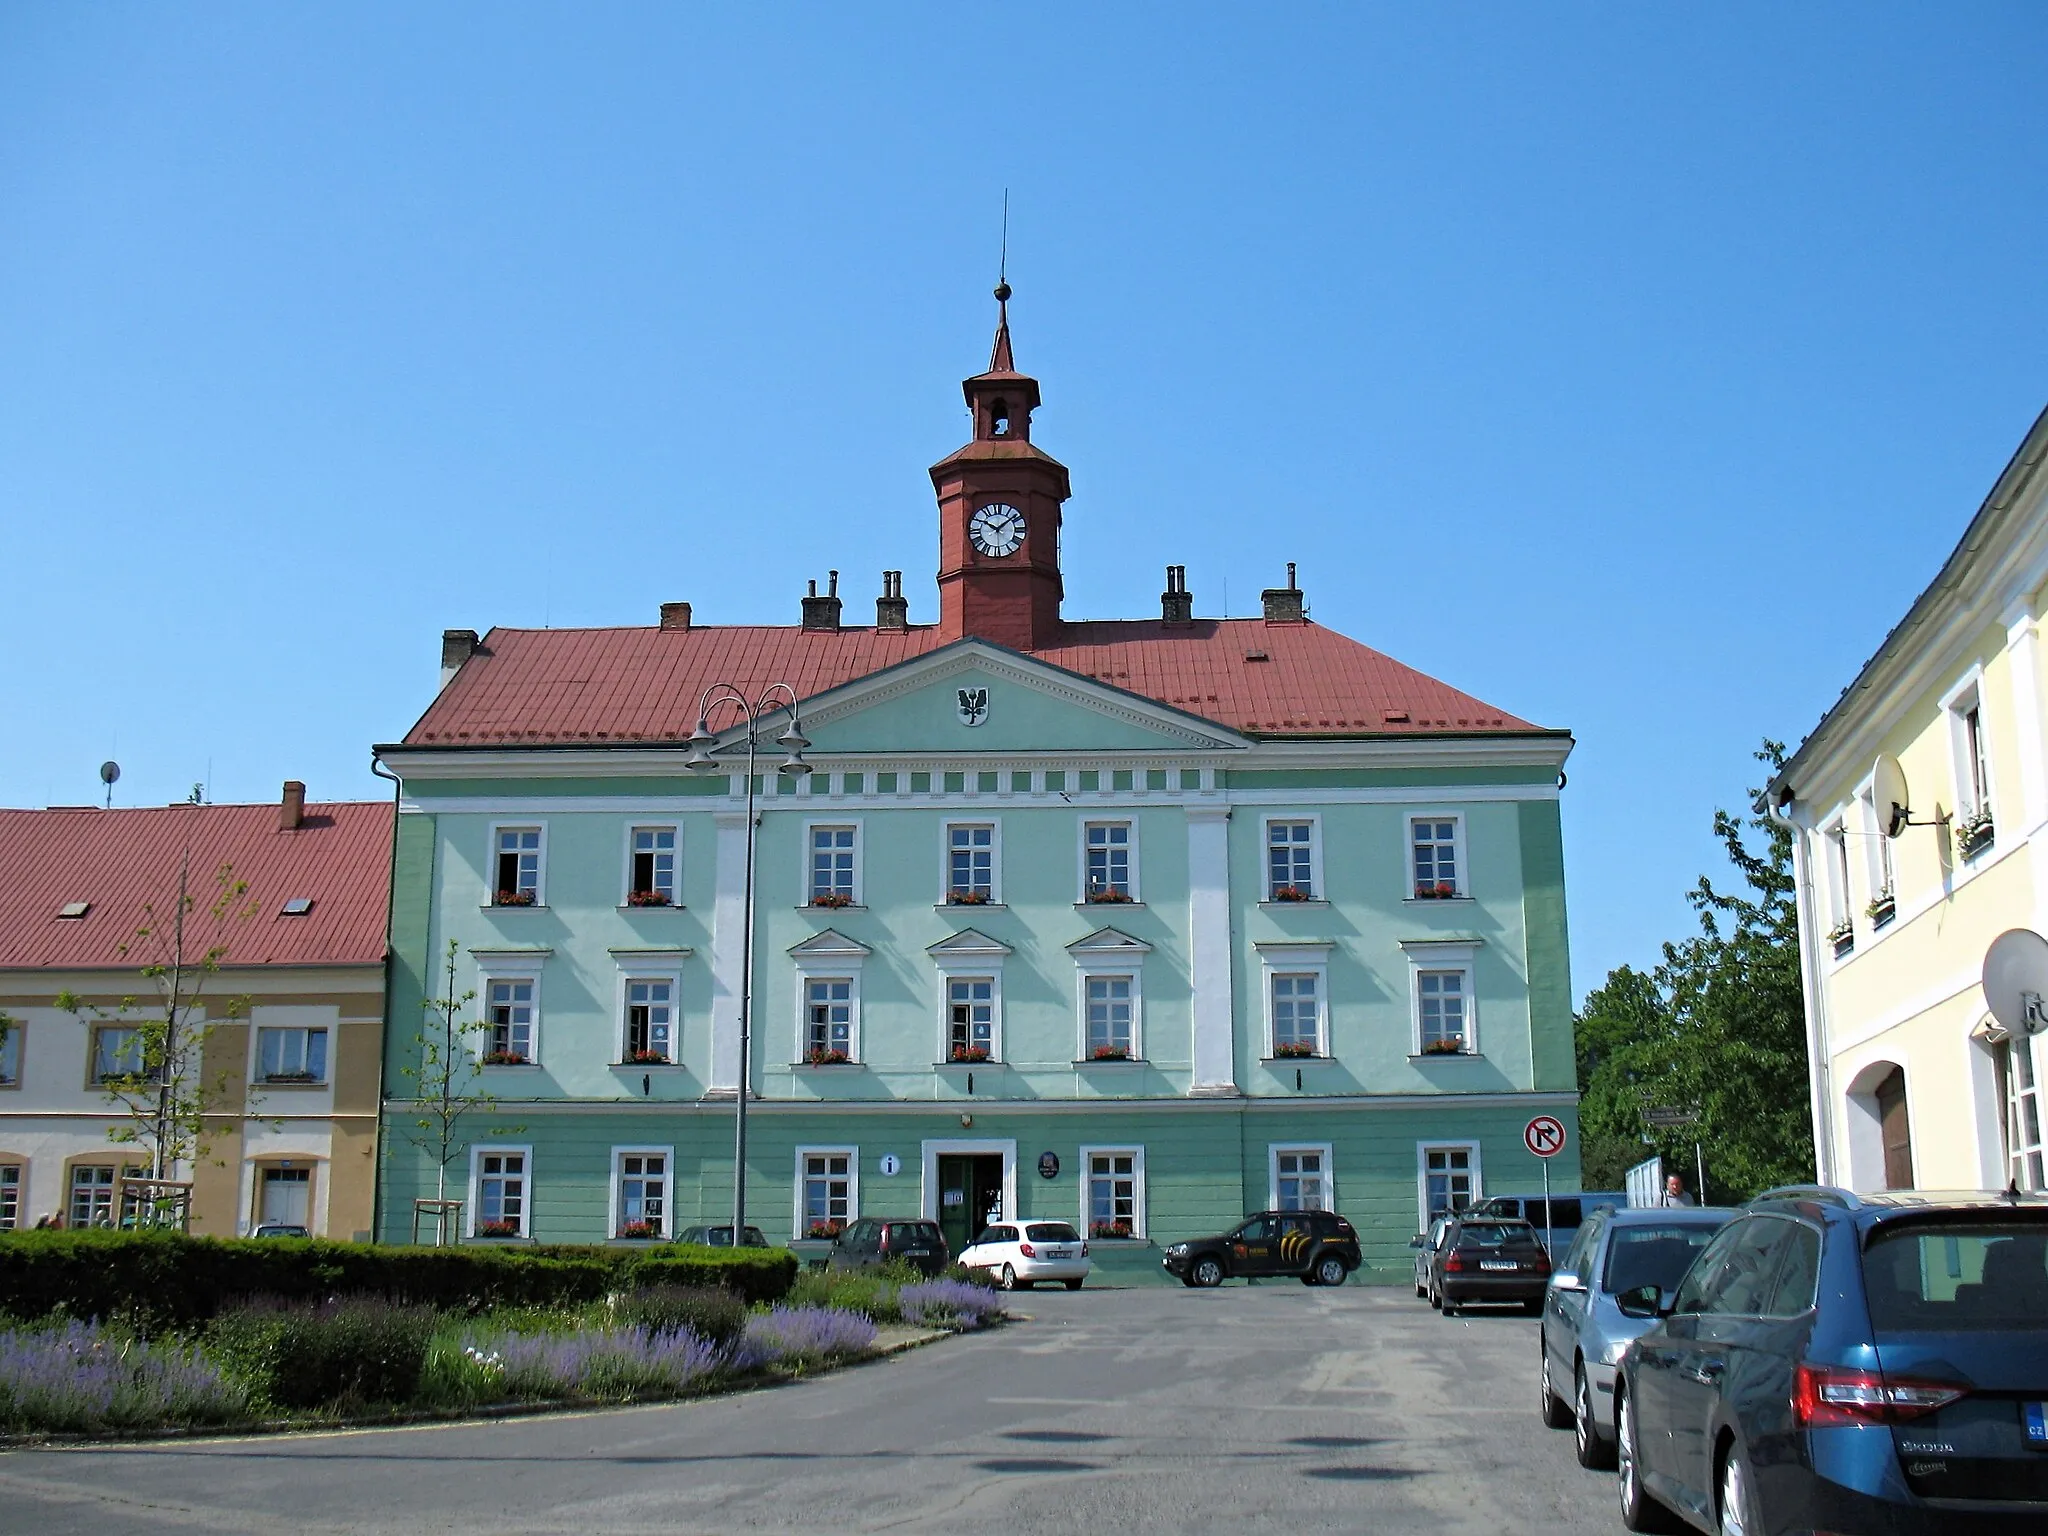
(885, 1239)
(1344, 1228)
(1828, 1397)
(1084, 1250)
(1542, 1263)
(1027, 1250)
(1455, 1264)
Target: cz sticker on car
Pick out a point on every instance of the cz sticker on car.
(2035, 1416)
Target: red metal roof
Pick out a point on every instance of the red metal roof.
(122, 860)
(566, 686)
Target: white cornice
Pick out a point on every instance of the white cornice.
(945, 1110)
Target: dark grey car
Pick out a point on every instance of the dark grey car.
(876, 1240)
(1585, 1331)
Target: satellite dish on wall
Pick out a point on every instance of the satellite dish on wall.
(1889, 797)
(2016, 981)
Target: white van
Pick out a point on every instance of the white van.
(1566, 1211)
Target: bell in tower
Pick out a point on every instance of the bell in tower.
(999, 512)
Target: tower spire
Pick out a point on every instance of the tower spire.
(999, 359)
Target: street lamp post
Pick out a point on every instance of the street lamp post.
(701, 743)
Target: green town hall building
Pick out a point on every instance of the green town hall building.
(1140, 924)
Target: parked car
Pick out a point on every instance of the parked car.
(1424, 1244)
(1584, 1329)
(1027, 1252)
(876, 1240)
(1847, 1363)
(721, 1237)
(1567, 1212)
(1319, 1247)
(280, 1229)
(1480, 1259)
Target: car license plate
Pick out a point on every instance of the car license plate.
(1498, 1264)
(2035, 1415)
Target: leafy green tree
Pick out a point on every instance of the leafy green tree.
(444, 1077)
(1720, 1025)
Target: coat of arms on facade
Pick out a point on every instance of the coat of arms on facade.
(973, 705)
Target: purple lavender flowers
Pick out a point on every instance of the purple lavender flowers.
(82, 1379)
(948, 1304)
(798, 1336)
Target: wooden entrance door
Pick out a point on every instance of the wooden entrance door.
(1895, 1130)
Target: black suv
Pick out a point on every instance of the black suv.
(876, 1240)
(1319, 1247)
(1847, 1362)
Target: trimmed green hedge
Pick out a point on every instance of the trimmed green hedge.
(164, 1279)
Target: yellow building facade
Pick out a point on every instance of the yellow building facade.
(1920, 804)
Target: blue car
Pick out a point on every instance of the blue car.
(1845, 1363)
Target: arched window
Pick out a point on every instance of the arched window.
(999, 418)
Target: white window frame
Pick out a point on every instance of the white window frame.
(540, 867)
(1879, 868)
(503, 965)
(1297, 960)
(100, 1030)
(860, 842)
(258, 1030)
(799, 1221)
(1322, 1149)
(1316, 892)
(477, 1154)
(1132, 967)
(1443, 955)
(633, 830)
(1422, 1151)
(618, 1188)
(10, 1221)
(1834, 844)
(962, 964)
(1138, 1200)
(647, 965)
(1956, 705)
(1137, 893)
(995, 858)
(1460, 849)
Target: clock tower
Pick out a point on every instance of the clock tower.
(999, 513)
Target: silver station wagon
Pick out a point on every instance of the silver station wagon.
(1584, 1331)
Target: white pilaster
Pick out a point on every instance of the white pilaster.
(728, 938)
(2023, 668)
(1209, 949)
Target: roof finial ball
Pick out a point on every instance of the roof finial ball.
(1002, 293)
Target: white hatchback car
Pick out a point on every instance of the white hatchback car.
(1029, 1252)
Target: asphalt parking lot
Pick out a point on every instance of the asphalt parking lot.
(1269, 1408)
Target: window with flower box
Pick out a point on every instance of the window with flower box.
(970, 1018)
(1113, 1197)
(640, 1179)
(834, 866)
(118, 1051)
(1841, 926)
(498, 1190)
(827, 1190)
(516, 866)
(1108, 870)
(1112, 1018)
(1297, 1014)
(828, 1020)
(651, 881)
(509, 1013)
(1441, 991)
(291, 1055)
(1433, 843)
(971, 863)
(1291, 860)
(650, 1020)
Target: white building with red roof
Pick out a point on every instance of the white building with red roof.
(1134, 924)
(287, 1016)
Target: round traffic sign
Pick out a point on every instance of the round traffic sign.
(1544, 1136)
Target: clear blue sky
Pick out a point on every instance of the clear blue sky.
(1631, 367)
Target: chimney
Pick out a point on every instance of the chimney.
(1284, 604)
(675, 615)
(892, 608)
(822, 613)
(1176, 603)
(291, 815)
(457, 646)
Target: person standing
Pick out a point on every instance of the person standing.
(1674, 1191)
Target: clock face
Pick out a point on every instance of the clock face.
(997, 529)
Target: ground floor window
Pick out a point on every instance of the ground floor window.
(1450, 1179)
(11, 1182)
(500, 1203)
(285, 1197)
(827, 1193)
(1301, 1179)
(1115, 1191)
(643, 1195)
(2023, 1105)
(93, 1187)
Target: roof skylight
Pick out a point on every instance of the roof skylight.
(298, 906)
(74, 909)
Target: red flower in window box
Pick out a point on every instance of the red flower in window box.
(640, 1229)
(648, 899)
(515, 898)
(1443, 890)
(648, 1058)
(825, 1231)
(818, 1056)
(967, 898)
(497, 1229)
(1291, 893)
(1111, 1229)
(505, 1059)
(1110, 1053)
(1105, 895)
(1294, 1050)
(970, 1053)
(1443, 1048)
(831, 899)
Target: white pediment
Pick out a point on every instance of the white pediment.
(830, 945)
(1107, 941)
(968, 941)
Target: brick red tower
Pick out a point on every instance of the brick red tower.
(999, 513)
